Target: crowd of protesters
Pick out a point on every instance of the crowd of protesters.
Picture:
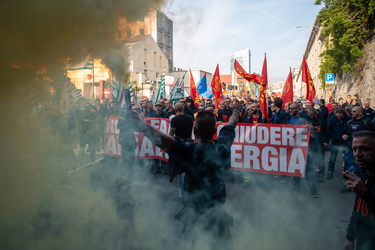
(332, 127)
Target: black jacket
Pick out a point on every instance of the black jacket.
(280, 117)
(362, 222)
(355, 125)
(336, 129)
(319, 131)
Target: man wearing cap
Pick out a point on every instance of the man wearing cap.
(159, 113)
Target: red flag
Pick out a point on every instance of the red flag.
(216, 88)
(287, 94)
(249, 77)
(306, 78)
(193, 89)
(261, 80)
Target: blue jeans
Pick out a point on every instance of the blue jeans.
(180, 178)
(350, 164)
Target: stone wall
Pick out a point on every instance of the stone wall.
(362, 82)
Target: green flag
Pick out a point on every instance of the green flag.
(131, 89)
(178, 90)
(161, 88)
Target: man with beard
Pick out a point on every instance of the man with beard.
(206, 164)
(298, 118)
(358, 123)
(254, 115)
(335, 106)
(279, 115)
(224, 112)
(361, 229)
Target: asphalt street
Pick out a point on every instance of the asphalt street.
(91, 207)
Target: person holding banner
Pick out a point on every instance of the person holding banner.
(278, 115)
(224, 112)
(253, 115)
(298, 118)
(206, 164)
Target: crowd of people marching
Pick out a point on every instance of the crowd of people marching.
(331, 124)
(332, 127)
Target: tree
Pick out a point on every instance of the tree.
(346, 29)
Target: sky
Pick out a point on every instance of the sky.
(208, 32)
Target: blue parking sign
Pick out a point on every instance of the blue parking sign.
(330, 77)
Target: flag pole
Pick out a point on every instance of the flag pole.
(127, 92)
(93, 80)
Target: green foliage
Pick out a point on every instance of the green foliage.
(346, 26)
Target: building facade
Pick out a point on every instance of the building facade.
(244, 58)
(315, 46)
(147, 63)
(238, 82)
(156, 24)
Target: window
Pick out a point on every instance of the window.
(128, 34)
(142, 31)
(142, 19)
(155, 59)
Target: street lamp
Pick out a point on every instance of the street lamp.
(298, 27)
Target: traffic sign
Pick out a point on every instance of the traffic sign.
(330, 78)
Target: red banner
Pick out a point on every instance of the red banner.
(279, 149)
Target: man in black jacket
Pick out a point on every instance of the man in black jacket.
(253, 115)
(358, 123)
(181, 127)
(335, 131)
(361, 228)
(279, 114)
(318, 141)
(298, 118)
(206, 164)
(256, 115)
(369, 112)
(323, 112)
